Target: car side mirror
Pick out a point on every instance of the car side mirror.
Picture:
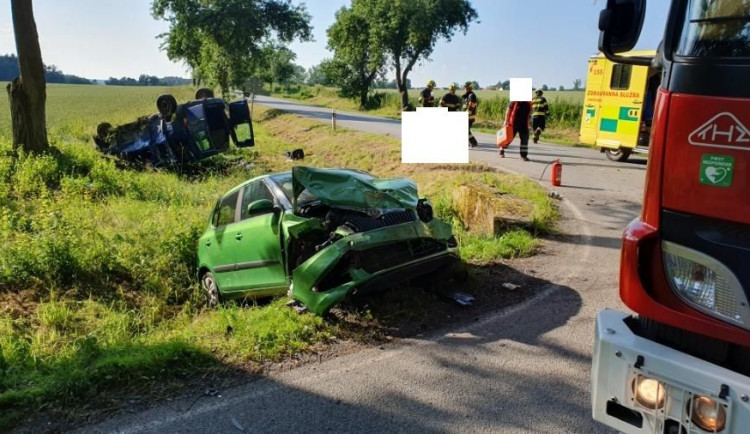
(261, 206)
(620, 25)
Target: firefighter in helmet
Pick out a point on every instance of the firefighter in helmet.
(539, 112)
(425, 97)
(470, 105)
(450, 99)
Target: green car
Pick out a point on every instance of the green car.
(320, 235)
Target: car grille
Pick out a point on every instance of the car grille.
(363, 223)
(391, 255)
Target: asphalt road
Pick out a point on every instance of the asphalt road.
(525, 369)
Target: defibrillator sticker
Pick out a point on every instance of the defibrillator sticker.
(717, 170)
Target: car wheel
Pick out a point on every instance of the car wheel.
(166, 105)
(211, 289)
(204, 92)
(617, 154)
(103, 129)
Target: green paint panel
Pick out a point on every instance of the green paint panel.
(628, 114)
(716, 170)
(609, 125)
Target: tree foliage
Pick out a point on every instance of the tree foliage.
(577, 84)
(407, 30)
(222, 41)
(9, 71)
(358, 60)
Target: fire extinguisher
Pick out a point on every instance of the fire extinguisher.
(556, 178)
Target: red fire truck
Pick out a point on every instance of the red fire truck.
(681, 363)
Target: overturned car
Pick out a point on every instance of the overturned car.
(179, 133)
(320, 235)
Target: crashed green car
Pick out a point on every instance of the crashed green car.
(320, 235)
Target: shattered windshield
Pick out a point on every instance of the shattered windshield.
(716, 28)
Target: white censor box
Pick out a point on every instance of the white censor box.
(434, 135)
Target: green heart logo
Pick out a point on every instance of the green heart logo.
(716, 174)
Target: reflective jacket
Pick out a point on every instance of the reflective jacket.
(452, 101)
(470, 104)
(539, 106)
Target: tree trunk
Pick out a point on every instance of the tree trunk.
(401, 85)
(27, 94)
(363, 98)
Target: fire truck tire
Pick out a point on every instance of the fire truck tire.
(617, 154)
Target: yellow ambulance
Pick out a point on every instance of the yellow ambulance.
(619, 105)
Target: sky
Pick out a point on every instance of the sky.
(547, 40)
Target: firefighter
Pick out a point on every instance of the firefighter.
(470, 105)
(450, 99)
(425, 97)
(539, 112)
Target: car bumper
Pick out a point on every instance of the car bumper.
(617, 353)
(368, 261)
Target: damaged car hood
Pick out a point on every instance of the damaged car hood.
(354, 189)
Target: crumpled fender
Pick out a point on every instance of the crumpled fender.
(315, 268)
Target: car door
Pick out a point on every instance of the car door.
(258, 253)
(219, 243)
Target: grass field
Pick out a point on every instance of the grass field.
(98, 287)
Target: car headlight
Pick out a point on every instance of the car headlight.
(706, 284)
(708, 414)
(648, 392)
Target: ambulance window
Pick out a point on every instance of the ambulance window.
(620, 77)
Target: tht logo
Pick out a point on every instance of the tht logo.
(722, 131)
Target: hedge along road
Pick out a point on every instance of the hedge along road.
(524, 369)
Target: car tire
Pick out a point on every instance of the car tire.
(166, 105)
(204, 92)
(618, 155)
(103, 129)
(210, 289)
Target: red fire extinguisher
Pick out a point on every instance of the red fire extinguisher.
(556, 173)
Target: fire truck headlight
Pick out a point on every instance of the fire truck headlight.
(708, 414)
(706, 284)
(649, 393)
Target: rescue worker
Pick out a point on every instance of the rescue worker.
(450, 99)
(470, 105)
(539, 112)
(425, 97)
(518, 117)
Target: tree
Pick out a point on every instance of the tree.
(27, 93)
(356, 60)
(222, 40)
(475, 85)
(505, 85)
(545, 87)
(577, 84)
(561, 88)
(406, 31)
(316, 75)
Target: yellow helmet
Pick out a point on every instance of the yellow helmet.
(431, 83)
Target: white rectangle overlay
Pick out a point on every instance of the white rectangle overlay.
(434, 135)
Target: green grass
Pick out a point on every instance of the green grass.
(98, 286)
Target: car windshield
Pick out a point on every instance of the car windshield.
(716, 28)
(284, 181)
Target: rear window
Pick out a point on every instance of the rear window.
(716, 28)
(620, 77)
(225, 211)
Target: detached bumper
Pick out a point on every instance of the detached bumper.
(620, 356)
